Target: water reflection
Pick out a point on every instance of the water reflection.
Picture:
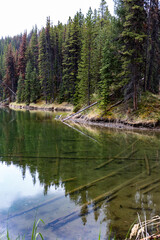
(90, 181)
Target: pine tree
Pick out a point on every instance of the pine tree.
(85, 65)
(22, 56)
(34, 50)
(27, 95)
(34, 86)
(58, 34)
(10, 79)
(111, 66)
(46, 70)
(102, 30)
(49, 62)
(42, 63)
(22, 60)
(71, 58)
(133, 37)
(32, 56)
(20, 90)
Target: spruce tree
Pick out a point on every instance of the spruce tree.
(85, 87)
(111, 66)
(10, 79)
(22, 56)
(27, 95)
(49, 62)
(20, 90)
(102, 30)
(71, 58)
(42, 64)
(34, 50)
(34, 86)
(22, 60)
(133, 37)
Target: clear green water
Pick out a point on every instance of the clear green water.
(41, 160)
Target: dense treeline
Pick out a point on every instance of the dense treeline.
(94, 57)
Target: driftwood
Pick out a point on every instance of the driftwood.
(72, 115)
(86, 186)
(112, 159)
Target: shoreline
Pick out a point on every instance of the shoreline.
(114, 125)
(42, 106)
(88, 120)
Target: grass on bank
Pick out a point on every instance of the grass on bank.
(41, 104)
(148, 111)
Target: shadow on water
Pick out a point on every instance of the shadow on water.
(81, 182)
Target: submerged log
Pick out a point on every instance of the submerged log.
(86, 186)
(151, 189)
(147, 165)
(112, 159)
(90, 206)
(112, 192)
(149, 183)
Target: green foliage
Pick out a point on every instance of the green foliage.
(71, 58)
(98, 54)
(28, 83)
(85, 86)
(133, 37)
(42, 63)
(111, 67)
(35, 233)
(20, 90)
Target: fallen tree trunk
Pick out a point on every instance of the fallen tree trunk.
(72, 115)
(149, 183)
(151, 188)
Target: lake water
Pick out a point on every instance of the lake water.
(81, 180)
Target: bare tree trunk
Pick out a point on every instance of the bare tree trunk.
(153, 28)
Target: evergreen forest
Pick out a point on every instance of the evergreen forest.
(97, 57)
